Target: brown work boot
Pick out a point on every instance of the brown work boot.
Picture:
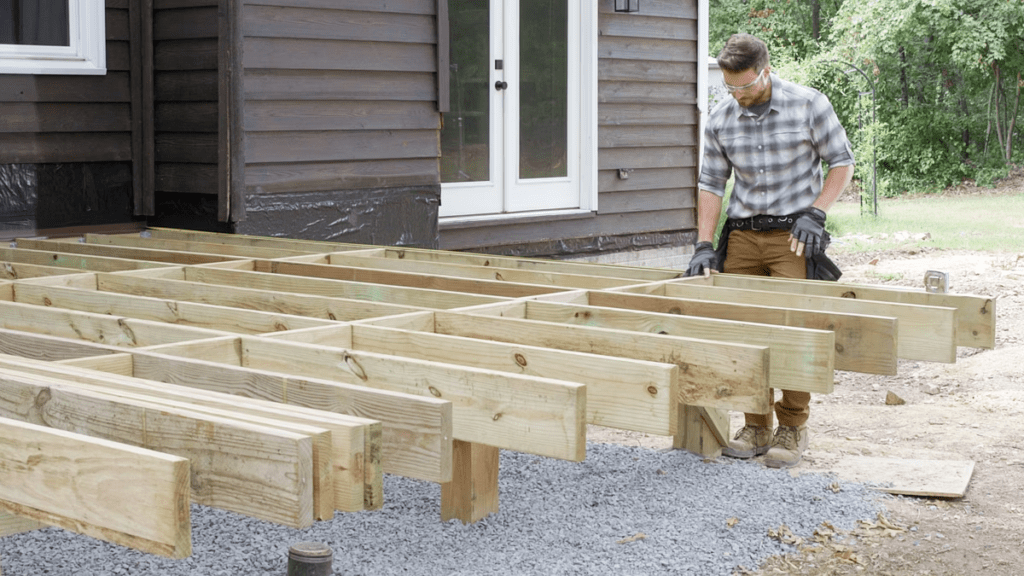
(787, 447)
(750, 441)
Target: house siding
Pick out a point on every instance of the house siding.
(340, 103)
(648, 126)
(66, 142)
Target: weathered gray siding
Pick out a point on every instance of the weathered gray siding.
(339, 95)
(647, 124)
(66, 142)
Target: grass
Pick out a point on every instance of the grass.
(984, 223)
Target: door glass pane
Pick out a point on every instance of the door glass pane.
(465, 138)
(543, 70)
(34, 22)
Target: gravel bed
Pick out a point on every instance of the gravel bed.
(556, 518)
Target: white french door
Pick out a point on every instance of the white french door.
(514, 140)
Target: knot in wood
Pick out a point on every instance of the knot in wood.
(520, 359)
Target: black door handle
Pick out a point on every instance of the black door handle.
(500, 85)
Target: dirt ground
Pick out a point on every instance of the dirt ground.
(971, 410)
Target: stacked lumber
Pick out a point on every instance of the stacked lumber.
(283, 377)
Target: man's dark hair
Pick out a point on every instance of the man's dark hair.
(743, 52)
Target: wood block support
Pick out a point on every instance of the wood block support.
(701, 431)
(473, 492)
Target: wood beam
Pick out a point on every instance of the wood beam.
(52, 256)
(254, 470)
(524, 413)
(800, 359)
(976, 315)
(96, 487)
(148, 254)
(739, 372)
(862, 343)
(621, 392)
(417, 434)
(925, 332)
(138, 241)
(473, 492)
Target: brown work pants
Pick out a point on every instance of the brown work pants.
(767, 253)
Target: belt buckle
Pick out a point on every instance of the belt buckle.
(752, 225)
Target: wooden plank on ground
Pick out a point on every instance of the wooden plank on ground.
(356, 441)
(418, 297)
(800, 359)
(929, 478)
(192, 314)
(516, 412)
(925, 332)
(254, 470)
(96, 487)
(976, 315)
(739, 372)
(417, 434)
(312, 246)
(621, 392)
(312, 306)
(862, 343)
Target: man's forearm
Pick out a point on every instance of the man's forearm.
(836, 181)
(709, 208)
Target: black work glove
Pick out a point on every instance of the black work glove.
(703, 260)
(807, 233)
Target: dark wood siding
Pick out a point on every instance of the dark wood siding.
(66, 141)
(648, 125)
(185, 94)
(59, 119)
(339, 95)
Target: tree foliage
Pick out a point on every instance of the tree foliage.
(946, 77)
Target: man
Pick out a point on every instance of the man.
(772, 137)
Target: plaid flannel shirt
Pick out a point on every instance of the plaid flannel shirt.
(776, 158)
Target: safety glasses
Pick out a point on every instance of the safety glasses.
(731, 89)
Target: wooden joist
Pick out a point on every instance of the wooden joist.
(96, 487)
(145, 254)
(250, 469)
(353, 454)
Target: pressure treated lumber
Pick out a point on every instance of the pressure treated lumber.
(925, 332)
(800, 359)
(524, 413)
(312, 306)
(862, 343)
(703, 431)
(417, 433)
(473, 492)
(19, 271)
(713, 374)
(96, 487)
(137, 241)
(161, 310)
(311, 246)
(99, 328)
(52, 348)
(406, 279)
(356, 443)
(621, 392)
(976, 315)
(418, 297)
(146, 254)
(563, 279)
(14, 524)
(253, 470)
(79, 263)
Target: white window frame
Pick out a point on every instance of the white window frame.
(86, 54)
